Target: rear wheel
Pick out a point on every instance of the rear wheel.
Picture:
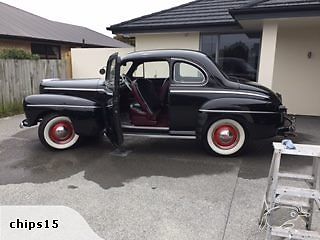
(57, 132)
(225, 137)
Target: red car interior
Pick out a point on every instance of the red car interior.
(150, 108)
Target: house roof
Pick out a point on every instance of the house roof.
(260, 9)
(280, 3)
(193, 14)
(16, 23)
(208, 13)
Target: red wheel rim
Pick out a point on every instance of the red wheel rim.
(62, 132)
(225, 136)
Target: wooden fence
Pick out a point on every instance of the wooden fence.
(19, 78)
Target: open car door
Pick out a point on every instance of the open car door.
(114, 130)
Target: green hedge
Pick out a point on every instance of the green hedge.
(15, 53)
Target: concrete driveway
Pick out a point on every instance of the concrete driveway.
(165, 189)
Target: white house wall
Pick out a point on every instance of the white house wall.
(189, 41)
(86, 62)
(268, 52)
(296, 76)
(168, 41)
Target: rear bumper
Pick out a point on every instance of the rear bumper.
(289, 125)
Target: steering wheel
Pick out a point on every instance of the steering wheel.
(126, 81)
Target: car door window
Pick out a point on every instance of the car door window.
(187, 73)
(153, 70)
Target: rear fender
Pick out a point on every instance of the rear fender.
(257, 116)
(85, 114)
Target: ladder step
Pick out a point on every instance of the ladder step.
(298, 177)
(301, 150)
(298, 192)
(289, 203)
(295, 234)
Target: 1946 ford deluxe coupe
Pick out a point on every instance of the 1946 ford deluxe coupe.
(158, 94)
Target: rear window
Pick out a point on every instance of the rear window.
(187, 73)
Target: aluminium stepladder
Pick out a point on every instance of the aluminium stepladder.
(275, 195)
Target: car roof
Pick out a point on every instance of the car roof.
(162, 54)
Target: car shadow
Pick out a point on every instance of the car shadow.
(24, 160)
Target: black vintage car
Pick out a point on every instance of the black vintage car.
(182, 95)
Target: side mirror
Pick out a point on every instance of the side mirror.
(102, 71)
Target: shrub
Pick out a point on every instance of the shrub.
(14, 53)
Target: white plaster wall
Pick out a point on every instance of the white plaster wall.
(296, 76)
(168, 41)
(86, 62)
(189, 41)
(268, 52)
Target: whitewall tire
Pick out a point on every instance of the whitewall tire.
(57, 132)
(225, 137)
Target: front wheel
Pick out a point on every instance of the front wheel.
(57, 132)
(225, 137)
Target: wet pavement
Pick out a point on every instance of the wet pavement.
(164, 189)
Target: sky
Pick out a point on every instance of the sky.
(94, 14)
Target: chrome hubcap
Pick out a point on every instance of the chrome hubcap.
(225, 137)
(62, 132)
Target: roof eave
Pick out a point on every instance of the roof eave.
(90, 45)
(275, 12)
(172, 28)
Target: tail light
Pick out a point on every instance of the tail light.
(282, 108)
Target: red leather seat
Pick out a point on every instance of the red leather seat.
(146, 111)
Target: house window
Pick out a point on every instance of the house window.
(237, 54)
(187, 73)
(46, 51)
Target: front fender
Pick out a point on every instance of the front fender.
(85, 114)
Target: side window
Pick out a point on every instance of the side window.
(187, 73)
(125, 68)
(139, 72)
(158, 69)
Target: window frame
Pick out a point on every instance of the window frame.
(47, 46)
(183, 83)
(218, 36)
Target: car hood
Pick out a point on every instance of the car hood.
(76, 84)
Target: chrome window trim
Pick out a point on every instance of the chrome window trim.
(219, 92)
(236, 111)
(189, 84)
(67, 106)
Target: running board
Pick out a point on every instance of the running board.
(145, 127)
(160, 136)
